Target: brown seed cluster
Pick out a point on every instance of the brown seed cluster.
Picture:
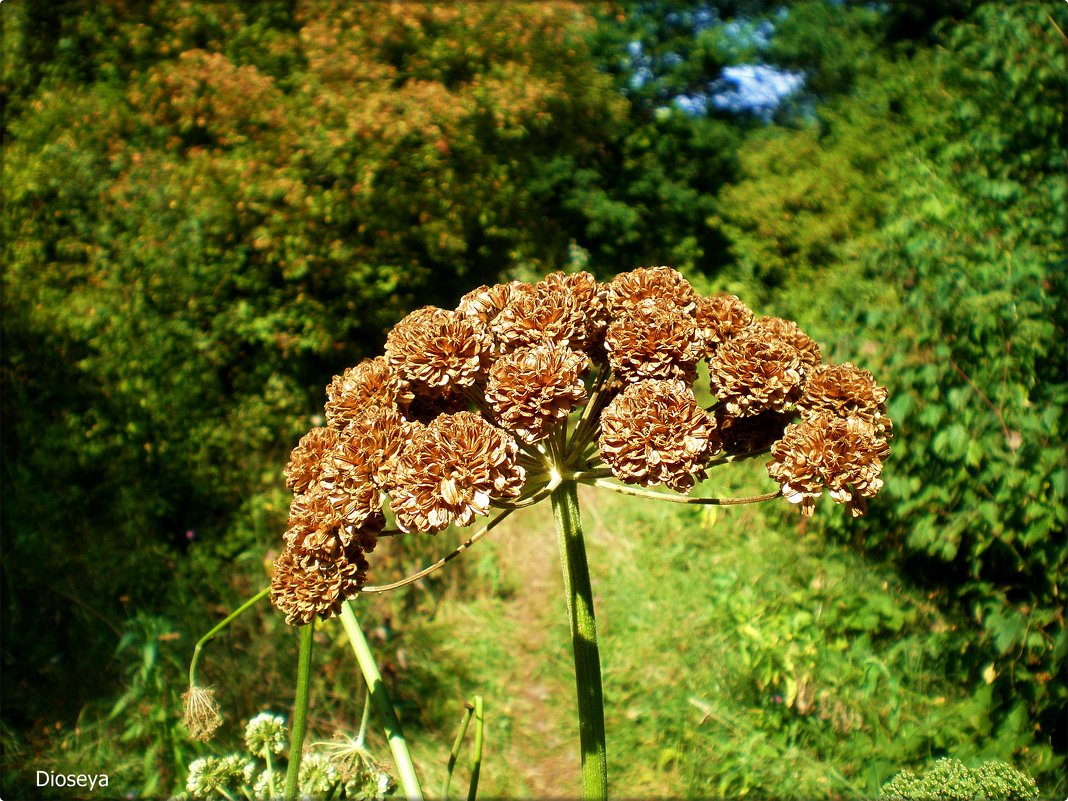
(842, 455)
(532, 388)
(654, 432)
(523, 385)
(451, 470)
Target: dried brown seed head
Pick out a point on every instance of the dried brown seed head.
(844, 390)
(451, 471)
(486, 302)
(788, 331)
(559, 310)
(656, 433)
(845, 456)
(201, 718)
(317, 526)
(720, 318)
(304, 587)
(751, 374)
(661, 284)
(349, 482)
(532, 388)
(370, 383)
(433, 349)
(652, 339)
(305, 465)
(377, 438)
(590, 296)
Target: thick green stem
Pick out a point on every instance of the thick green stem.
(300, 712)
(397, 744)
(579, 596)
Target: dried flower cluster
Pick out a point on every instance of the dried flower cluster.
(492, 404)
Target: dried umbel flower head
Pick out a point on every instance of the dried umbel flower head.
(752, 373)
(652, 339)
(662, 284)
(486, 302)
(201, 718)
(305, 466)
(844, 390)
(563, 310)
(434, 348)
(304, 587)
(532, 388)
(789, 332)
(452, 470)
(376, 439)
(370, 384)
(588, 295)
(845, 456)
(469, 411)
(656, 433)
(318, 528)
(347, 478)
(718, 319)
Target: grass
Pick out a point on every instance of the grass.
(741, 658)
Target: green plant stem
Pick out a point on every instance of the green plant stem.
(226, 621)
(361, 738)
(476, 756)
(454, 754)
(300, 712)
(397, 744)
(579, 596)
(663, 496)
(426, 571)
(270, 772)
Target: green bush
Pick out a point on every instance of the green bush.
(920, 220)
(210, 210)
(974, 243)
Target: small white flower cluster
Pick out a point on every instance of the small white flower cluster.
(351, 771)
(266, 734)
(212, 777)
(317, 775)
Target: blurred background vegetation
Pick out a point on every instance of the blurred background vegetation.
(211, 208)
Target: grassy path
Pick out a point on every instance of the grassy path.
(543, 750)
(739, 658)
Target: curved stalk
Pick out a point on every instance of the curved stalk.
(386, 713)
(426, 571)
(663, 496)
(454, 754)
(476, 756)
(300, 712)
(524, 502)
(578, 594)
(226, 621)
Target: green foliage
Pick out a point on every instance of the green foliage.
(944, 262)
(145, 711)
(974, 243)
(211, 209)
(951, 780)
